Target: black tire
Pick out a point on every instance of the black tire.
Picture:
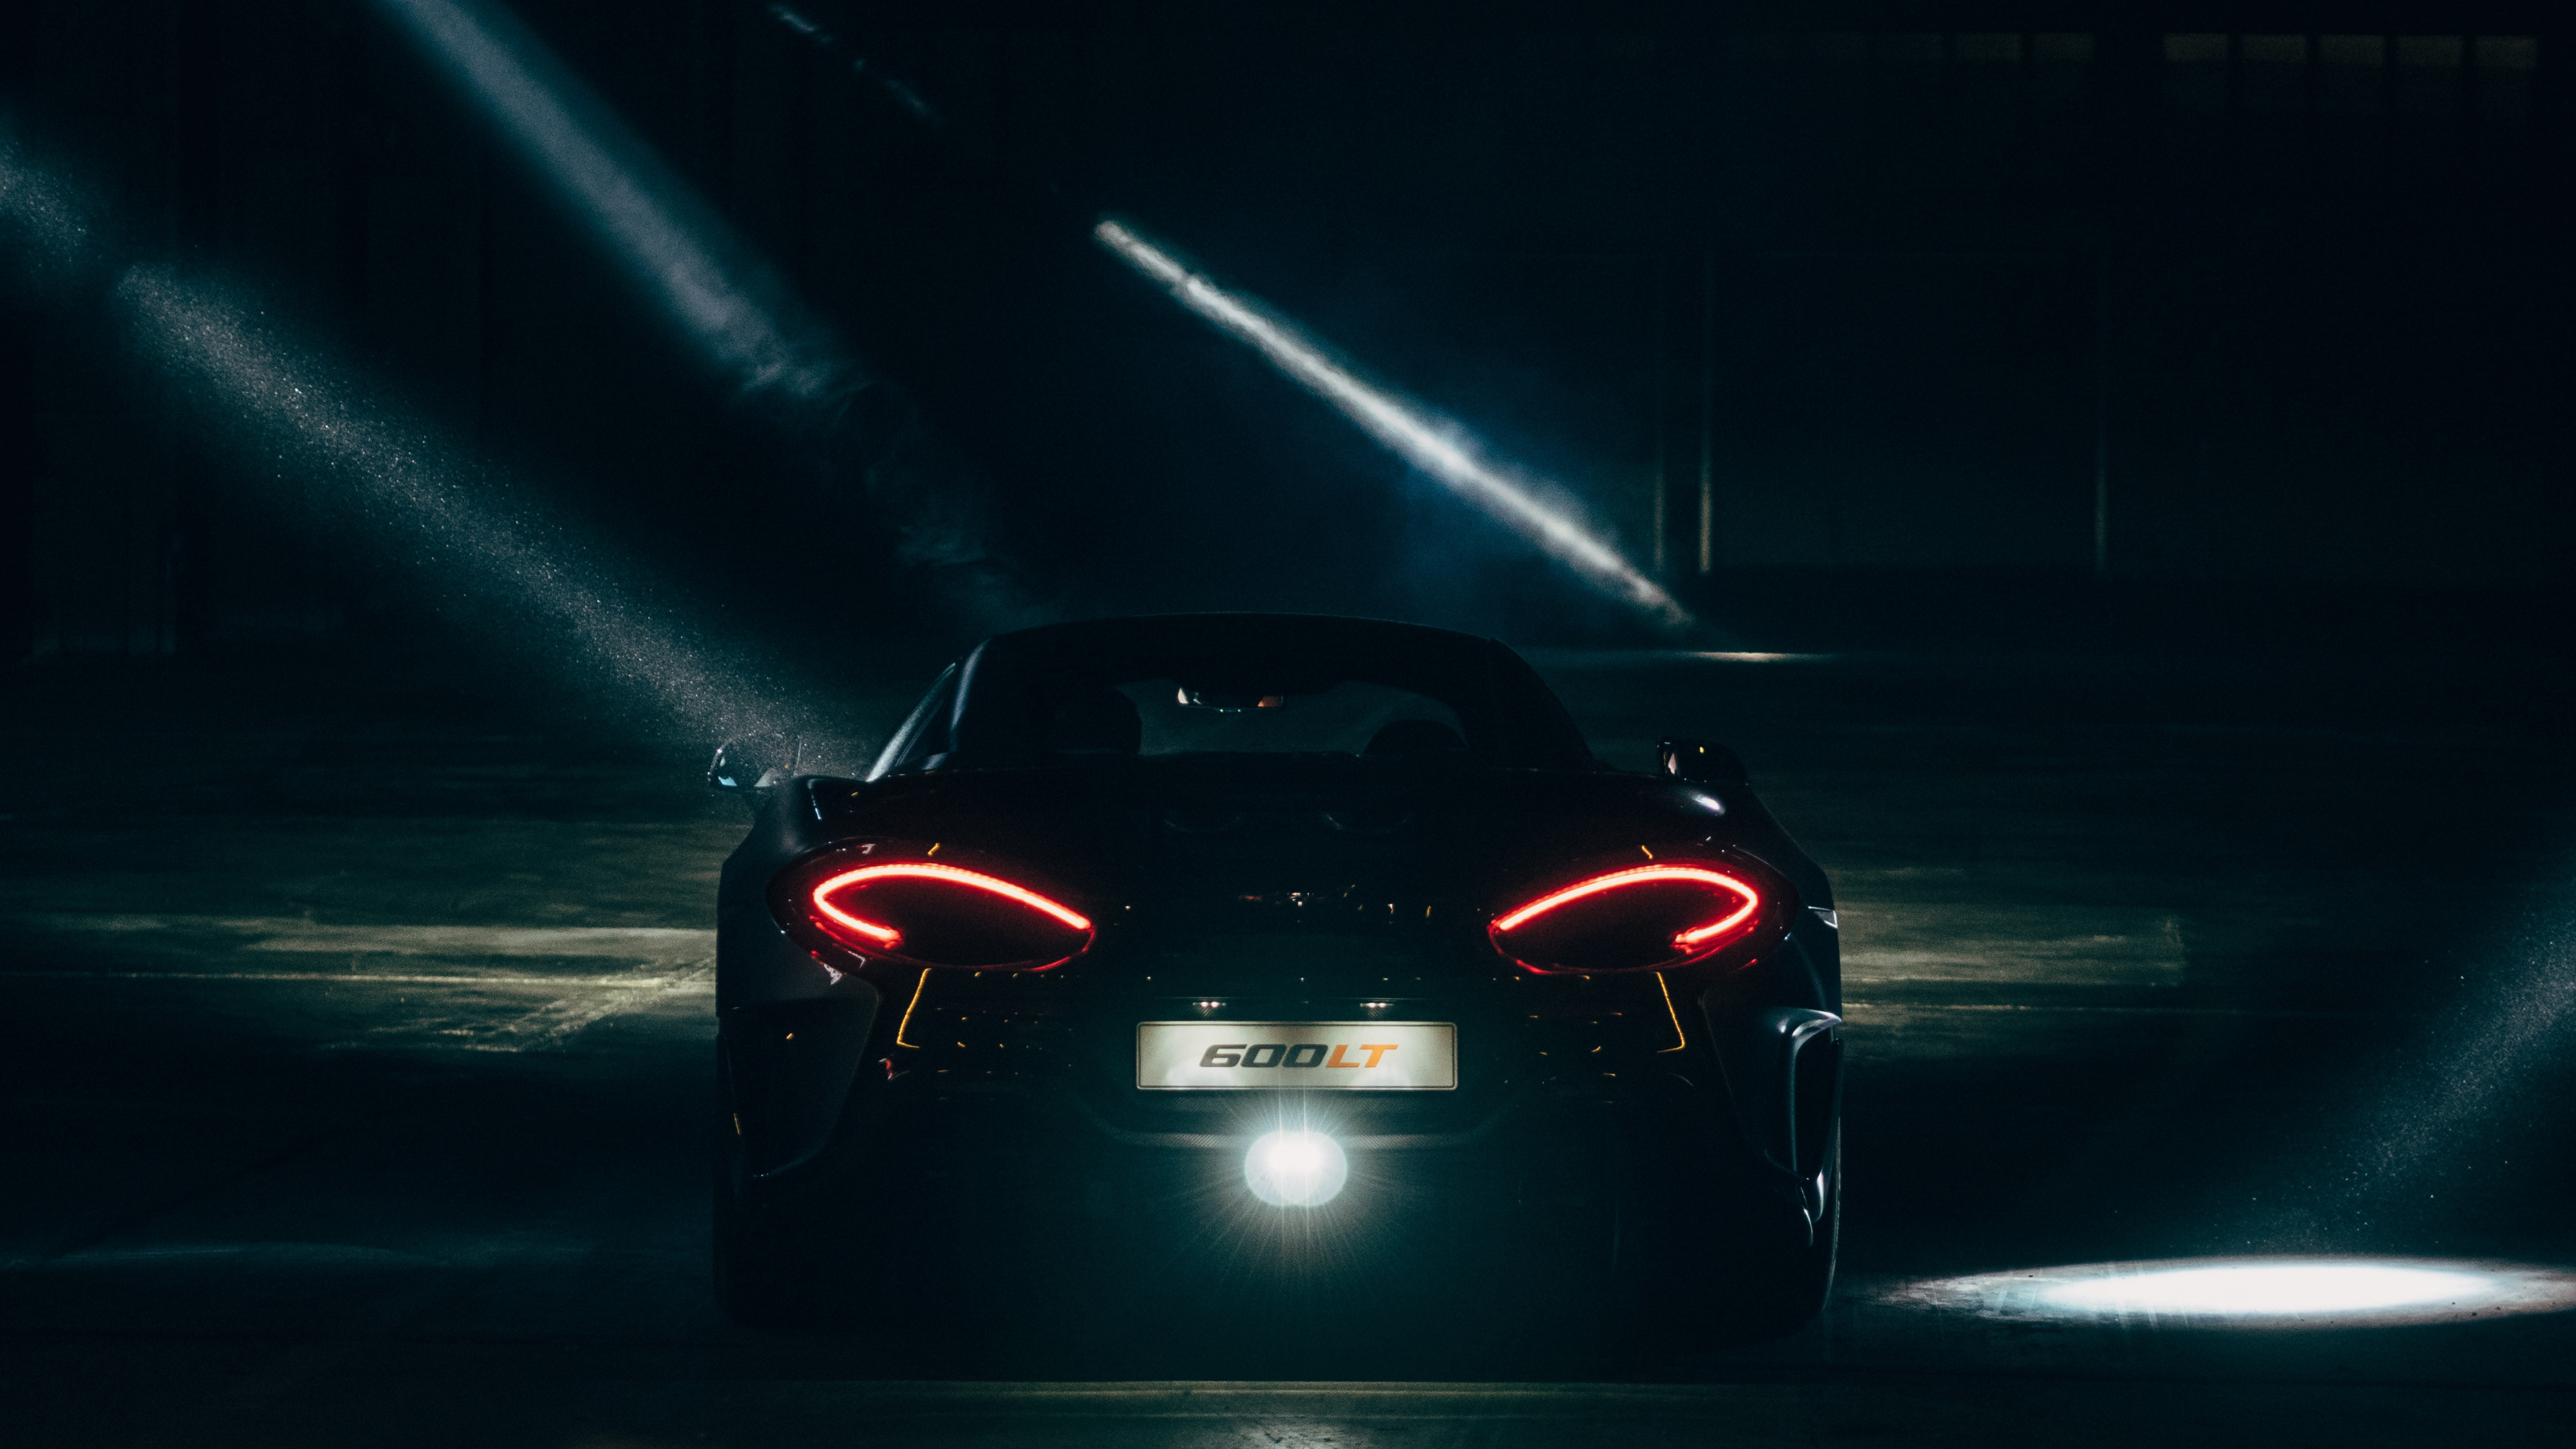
(775, 1268)
(1721, 1267)
(1788, 1290)
(748, 1287)
(792, 1255)
(752, 1287)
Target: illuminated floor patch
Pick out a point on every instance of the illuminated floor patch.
(1898, 940)
(265, 933)
(2256, 1292)
(475, 996)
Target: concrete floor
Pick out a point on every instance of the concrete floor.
(354, 1050)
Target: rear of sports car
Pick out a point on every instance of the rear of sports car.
(1524, 1038)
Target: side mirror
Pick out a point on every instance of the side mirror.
(745, 766)
(1700, 763)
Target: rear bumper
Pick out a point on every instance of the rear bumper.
(1745, 1081)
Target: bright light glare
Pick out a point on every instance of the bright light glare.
(1410, 436)
(2259, 1292)
(1295, 1168)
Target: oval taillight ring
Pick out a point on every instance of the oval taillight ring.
(1740, 902)
(824, 901)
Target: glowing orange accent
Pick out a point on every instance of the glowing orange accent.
(1681, 1038)
(924, 870)
(1375, 1051)
(1646, 875)
(906, 1024)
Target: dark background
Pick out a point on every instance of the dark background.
(2131, 438)
(1981, 322)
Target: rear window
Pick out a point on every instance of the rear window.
(1349, 717)
(1214, 685)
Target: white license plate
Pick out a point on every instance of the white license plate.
(1297, 1056)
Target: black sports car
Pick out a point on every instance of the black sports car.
(1274, 933)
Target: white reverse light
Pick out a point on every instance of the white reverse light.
(2258, 1292)
(1295, 1168)
(1415, 438)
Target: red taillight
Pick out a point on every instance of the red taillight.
(945, 915)
(1645, 918)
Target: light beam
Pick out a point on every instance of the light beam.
(671, 244)
(50, 223)
(294, 412)
(722, 295)
(421, 494)
(1412, 437)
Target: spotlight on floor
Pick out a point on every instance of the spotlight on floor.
(1295, 1168)
(2357, 1292)
(1419, 440)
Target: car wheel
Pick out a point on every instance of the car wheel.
(1787, 1290)
(778, 1263)
(1721, 1266)
(753, 1286)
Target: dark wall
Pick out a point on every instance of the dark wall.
(2184, 294)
